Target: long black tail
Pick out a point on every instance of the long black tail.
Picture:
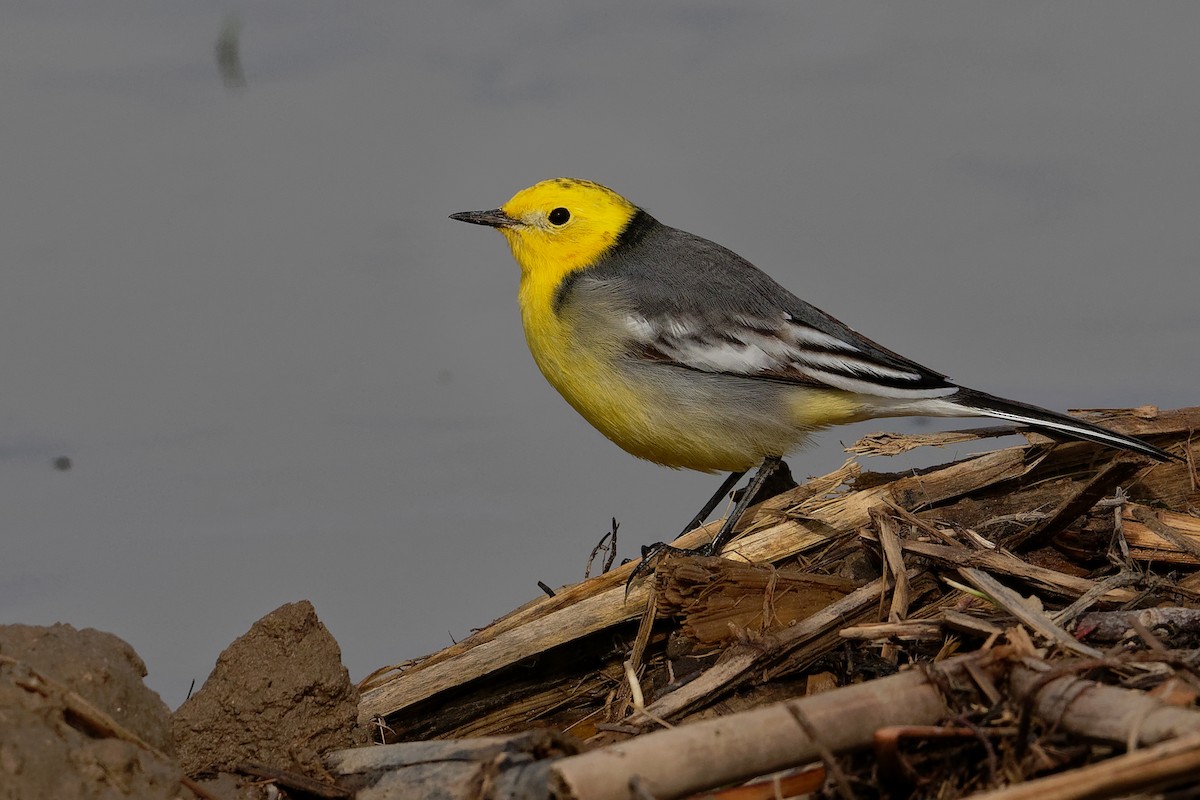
(1052, 422)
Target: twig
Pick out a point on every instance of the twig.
(1119, 527)
(920, 524)
(891, 444)
(1005, 563)
(957, 620)
(913, 629)
(840, 780)
(893, 562)
(1115, 472)
(293, 780)
(606, 545)
(1141, 772)
(633, 664)
(1111, 626)
(889, 541)
(638, 699)
(1093, 595)
(1094, 710)
(1016, 605)
(1023, 517)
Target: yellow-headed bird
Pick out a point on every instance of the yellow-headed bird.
(685, 354)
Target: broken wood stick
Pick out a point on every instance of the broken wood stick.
(1001, 562)
(690, 758)
(1020, 608)
(1142, 773)
(1114, 626)
(1126, 717)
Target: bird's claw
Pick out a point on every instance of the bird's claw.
(652, 554)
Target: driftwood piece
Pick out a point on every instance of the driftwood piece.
(804, 597)
(464, 768)
(1114, 626)
(601, 602)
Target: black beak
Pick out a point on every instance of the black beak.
(496, 218)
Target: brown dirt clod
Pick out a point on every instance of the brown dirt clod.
(278, 696)
(45, 751)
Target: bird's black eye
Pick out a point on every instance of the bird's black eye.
(559, 216)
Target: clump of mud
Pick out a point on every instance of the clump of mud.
(77, 721)
(279, 696)
(49, 748)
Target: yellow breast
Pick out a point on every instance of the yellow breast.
(580, 362)
(583, 359)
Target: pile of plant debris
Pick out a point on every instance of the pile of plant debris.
(1022, 623)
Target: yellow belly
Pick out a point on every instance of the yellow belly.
(678, 417)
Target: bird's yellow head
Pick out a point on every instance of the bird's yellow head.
(558, 226)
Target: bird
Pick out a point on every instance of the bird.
(684, 353)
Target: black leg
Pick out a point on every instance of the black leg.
(765, 471)
(650, 552)
(714, 501)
